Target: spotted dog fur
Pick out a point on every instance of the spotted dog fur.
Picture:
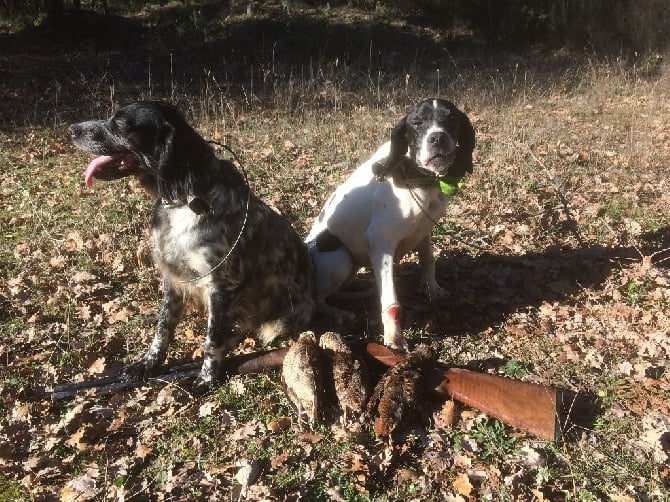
(265, 285)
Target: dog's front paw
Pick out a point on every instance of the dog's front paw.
(393, 337)
(208, 377)
(202, 386)
(141, 370)
(397, 344)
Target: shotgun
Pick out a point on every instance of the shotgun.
(538, 409)
(255, 362)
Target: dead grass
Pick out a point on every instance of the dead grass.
(552, 254)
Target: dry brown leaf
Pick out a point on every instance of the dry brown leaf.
(446, 416)
(118, 420)
(73, 241)
(462, 484)
(58, 262)
(405, 475)
(79, 488)
(279, 425)
(248, 472)
(82, 277)
(142, 451)
(279, 460)
(247, 430)
(538, 495)
(121, 315)
(21, 413)
(206, 409)
(615, 497)
(516, 331)
(381, 461)
(97, 367)
(227, 418)
(76, 440)
(354, 462)
(310, 437)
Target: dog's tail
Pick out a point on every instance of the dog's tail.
(270, 330)
(291, 320)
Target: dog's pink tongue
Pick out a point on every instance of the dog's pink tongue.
(95, 165)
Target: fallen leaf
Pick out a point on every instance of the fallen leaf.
(248, 472)
(142, 451)
(82, 277)
(79, 488)
(76, 439)
(73, 241)
(406, 475)
(279, 460)
(118, 421)
(462, 485)
(446, 416)
(538, 494)
(461, 460)
(246, 431)
(57, 262)
(21, 413)
(206, 409)
(532, 458)
(621, 498)
(281, 424)
(310, 437)
(97, 367)
(354, 462)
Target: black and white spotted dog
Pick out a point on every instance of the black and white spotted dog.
(213, 239)
(389, 205)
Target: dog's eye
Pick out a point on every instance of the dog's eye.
(416, 122)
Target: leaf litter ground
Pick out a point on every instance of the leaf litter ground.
(555, 258)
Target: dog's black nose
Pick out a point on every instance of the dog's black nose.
(438, 138)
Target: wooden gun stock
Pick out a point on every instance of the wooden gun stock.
(530, 407)
(526, 406)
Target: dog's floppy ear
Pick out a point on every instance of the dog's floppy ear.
(169, 186)
(182, 155)
(466, 145)
(398, 150)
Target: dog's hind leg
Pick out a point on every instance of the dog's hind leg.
(427, 263)
(333, 269)
(296, 312)
(220, 337)
(170, 313)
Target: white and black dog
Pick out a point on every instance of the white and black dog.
(389, 205)
(213, 239)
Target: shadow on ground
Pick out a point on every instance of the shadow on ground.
(483, 290)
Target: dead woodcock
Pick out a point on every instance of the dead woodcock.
(302, 376)
(400, 391)
(349, 374)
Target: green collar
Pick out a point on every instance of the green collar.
(448, 185)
